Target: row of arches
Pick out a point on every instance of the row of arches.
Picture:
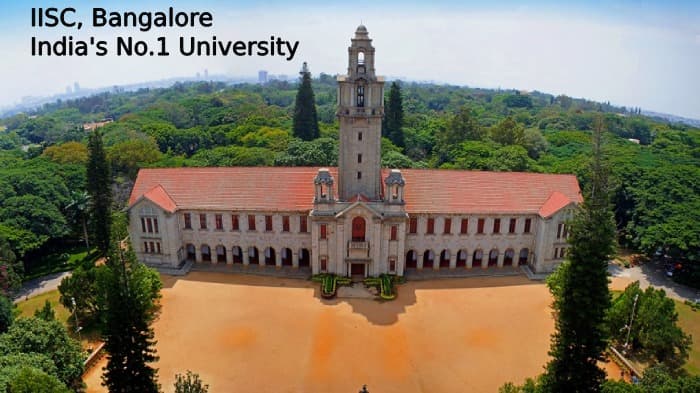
(219, 254)
(478, 257)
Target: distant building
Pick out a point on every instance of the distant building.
(97, 124)
(76, 87)
(262, 76)
(69, 90)
(357, 219)
(206, 73)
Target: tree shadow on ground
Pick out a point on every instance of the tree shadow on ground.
(387, 312)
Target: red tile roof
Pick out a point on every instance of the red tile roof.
(554, 203)
(292, 189)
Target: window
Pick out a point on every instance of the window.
(202, 221)
(149, 225)
(560, 230)
(448, 226)
(480, 226)
(496, 225)
(158, 248)
(268, 223)
(303, 224)
(153, 248)
(431, 226)
(360, 57)
(145, 246)
(235, 226)
(188, 221)
(394, 230)
(324, 263)
(511, 226)
(143, 224)
(556, 253)
(392, 265)
(251, 222)
(285, 223)
(413, 225)
(359, 136)
(464, 226)
(360, 96)
(323, 231)
(155, 225)
(528, 222)
(562, 252)
(359, 175)
(219, 222)
(359, 158)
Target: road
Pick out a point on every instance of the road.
(653, 273)
(40, 285)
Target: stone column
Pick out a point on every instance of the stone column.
(229, 256)
(245, 256)
(453, 259)
(197, 254)
(500, 259)
(295, 259)
(470, 259)
(278, 258)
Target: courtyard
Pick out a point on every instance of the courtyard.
(267, 334)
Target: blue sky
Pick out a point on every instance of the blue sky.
(633, 53)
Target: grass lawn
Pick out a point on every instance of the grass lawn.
(58, 262)
(89, 336)
(689, 321)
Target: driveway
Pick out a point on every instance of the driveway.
(651, 273)
(40, 285)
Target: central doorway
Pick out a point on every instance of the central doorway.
(357, 269)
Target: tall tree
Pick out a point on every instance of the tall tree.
(130, 300)
(392, 126)
(99, 186)
(78, 207)
(305, 118)
(582, 300)
(508, 132)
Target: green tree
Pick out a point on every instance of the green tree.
(508, 132)
(392, 126)
(130, 298)
(305, 124)
(46, 313)
(654, 332)
(582, 299)
(534, 142)
(49, 338)
(78, 208)
(129, 156)
(67, 153)
(99, 186)
(32, 380)
(6, 313)
(461, 127)
(190, 383)
(81, 286)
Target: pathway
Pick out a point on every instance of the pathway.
(651, 273)
(40, 285)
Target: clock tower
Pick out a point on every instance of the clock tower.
(360, 111)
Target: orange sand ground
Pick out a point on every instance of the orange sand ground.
(263, 334)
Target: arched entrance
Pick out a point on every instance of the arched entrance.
(206, 253)
(478, 256)
(493, 257)
(462, 258)
(524, 254)
(220, 254)
(253, 256)
(411, 259)
(358, 229)
(286, 257)
(445, 258)
(428, 259)
(270, 256)
(304, 258)
(191, 252)
(508, 257)
(237, 254)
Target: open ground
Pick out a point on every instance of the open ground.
(266, 334)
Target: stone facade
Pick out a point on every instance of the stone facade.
(364, 224)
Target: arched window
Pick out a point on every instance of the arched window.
(220, 254)
(206, 253)
(445, 258)
(191, 252)
(462, 258)
(493, 257)
(360, 96)
(524, 254)
(508, 257)
(237, 254)
(478, 256)
(360, 58)
(428, 258)
(411, 259)
(358, 229)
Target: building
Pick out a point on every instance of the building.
(262, 77)
(356, 219)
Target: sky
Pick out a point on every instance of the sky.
(634, 53)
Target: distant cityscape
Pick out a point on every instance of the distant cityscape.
(74, 90)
